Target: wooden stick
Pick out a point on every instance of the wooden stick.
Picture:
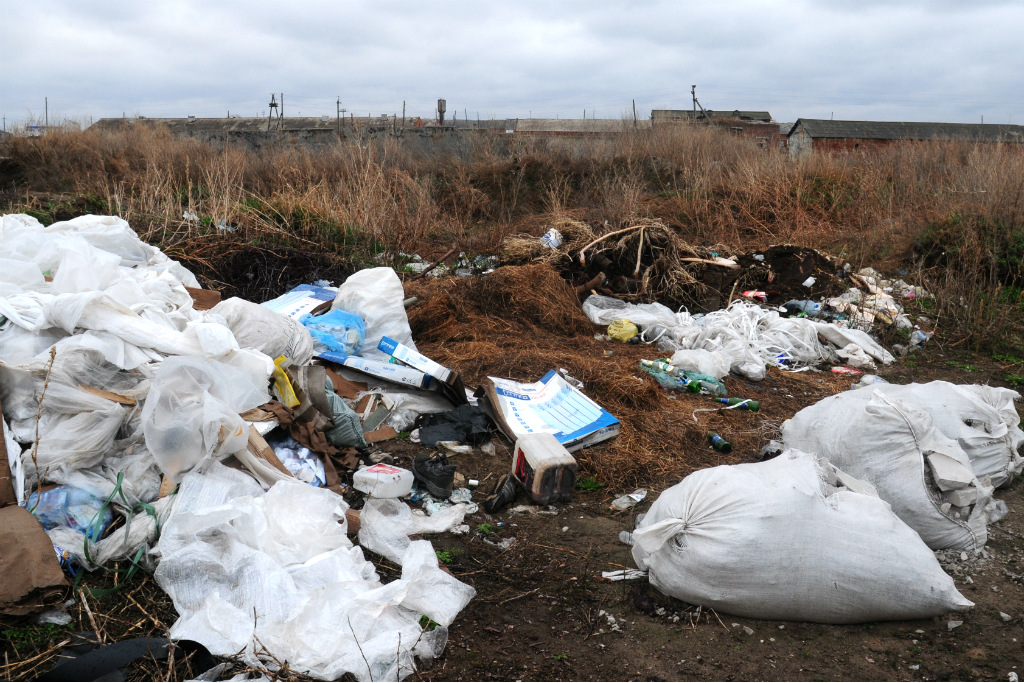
(92, 619)
(639, 252)
(436, 263)
(583, 251)
(519, 596)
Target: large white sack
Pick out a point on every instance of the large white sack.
(376, 295)
(886, 442)
(776, 540)
(258, 327)
(982, 419)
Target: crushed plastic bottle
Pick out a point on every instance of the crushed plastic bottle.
(868, 380)
(919, 337)
(811, 309)
(73, 508)
(629, 500)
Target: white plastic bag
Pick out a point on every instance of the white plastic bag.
(887, 443)
(376, 295)
(789, 539)
(712, 364)
(192, 410)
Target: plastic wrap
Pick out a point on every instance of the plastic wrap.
(242, 566)
(376, 295)
(192, 412)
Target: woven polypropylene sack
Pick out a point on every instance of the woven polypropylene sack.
(775, 540)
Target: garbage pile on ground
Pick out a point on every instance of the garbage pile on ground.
(648, 262)
(742, 338)
(235, 448)
(139, 417)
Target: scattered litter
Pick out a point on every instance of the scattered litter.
(551, 405)
(304, 578)
(624, 575)
(629, 500)
(953, 625)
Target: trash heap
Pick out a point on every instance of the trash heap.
(646, 262)
(135, 407)
(743, 338)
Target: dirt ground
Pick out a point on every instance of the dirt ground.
(543, 612)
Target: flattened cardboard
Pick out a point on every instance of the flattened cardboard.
(381, 434)
(109, 395)
(203, 299)
(259, 447)
(346, 388)
(32, 578)
(7, 494)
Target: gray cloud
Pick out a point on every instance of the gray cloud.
(874, 59)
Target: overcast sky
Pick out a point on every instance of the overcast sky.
(926, 60)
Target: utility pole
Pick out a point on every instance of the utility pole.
(46, 116)
(634, 114)
(282, 108)
(403, 116)
(273, 108)
(693, 94)
(338, 115)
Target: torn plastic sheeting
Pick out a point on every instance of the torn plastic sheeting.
(76, 430)
(284, 556)
(778, 540)
(841, 336)
(98, 311)
(387, 523)
(192, 412)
